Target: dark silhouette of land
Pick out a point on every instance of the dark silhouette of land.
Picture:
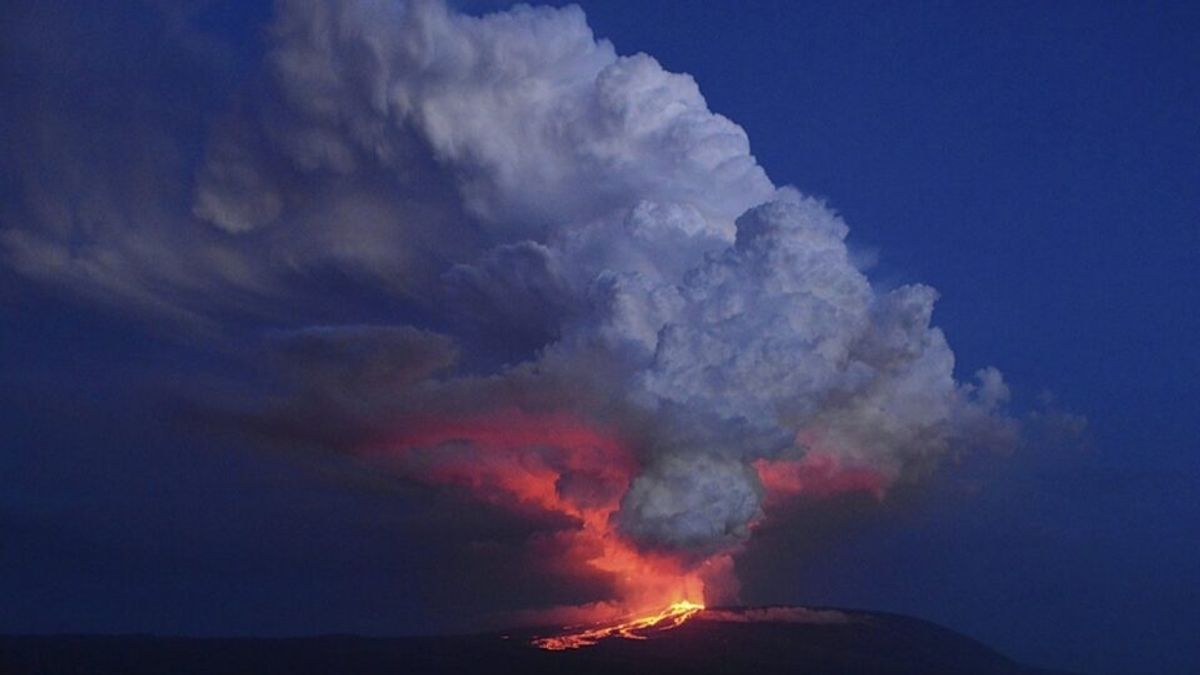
(867, 643)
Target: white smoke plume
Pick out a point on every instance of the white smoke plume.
(523, 190)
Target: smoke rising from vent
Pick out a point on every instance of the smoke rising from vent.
(608, 311)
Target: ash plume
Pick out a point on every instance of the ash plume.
(606, 309)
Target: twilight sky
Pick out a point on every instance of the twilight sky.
(382, 318)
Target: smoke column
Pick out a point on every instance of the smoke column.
(608, 313)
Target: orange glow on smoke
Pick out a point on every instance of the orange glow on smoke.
(635, 628)
(816, 475)
(555, 463)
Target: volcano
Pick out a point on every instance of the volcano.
(722, 641)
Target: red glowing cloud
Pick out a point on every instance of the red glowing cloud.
(816, 475)
(558, 464)
(518, 460)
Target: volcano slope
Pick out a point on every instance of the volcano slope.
(716, 641)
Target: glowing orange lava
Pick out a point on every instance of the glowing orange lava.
(636, 628)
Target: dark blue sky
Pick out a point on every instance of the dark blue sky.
(1038, 163)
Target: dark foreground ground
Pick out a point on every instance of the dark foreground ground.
(866, 644)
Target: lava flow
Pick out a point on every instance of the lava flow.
(636, 628)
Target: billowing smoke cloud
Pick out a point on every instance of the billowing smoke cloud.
(686, 345)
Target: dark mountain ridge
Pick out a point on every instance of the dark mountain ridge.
(716, 642)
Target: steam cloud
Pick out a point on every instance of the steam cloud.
(687, 344)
